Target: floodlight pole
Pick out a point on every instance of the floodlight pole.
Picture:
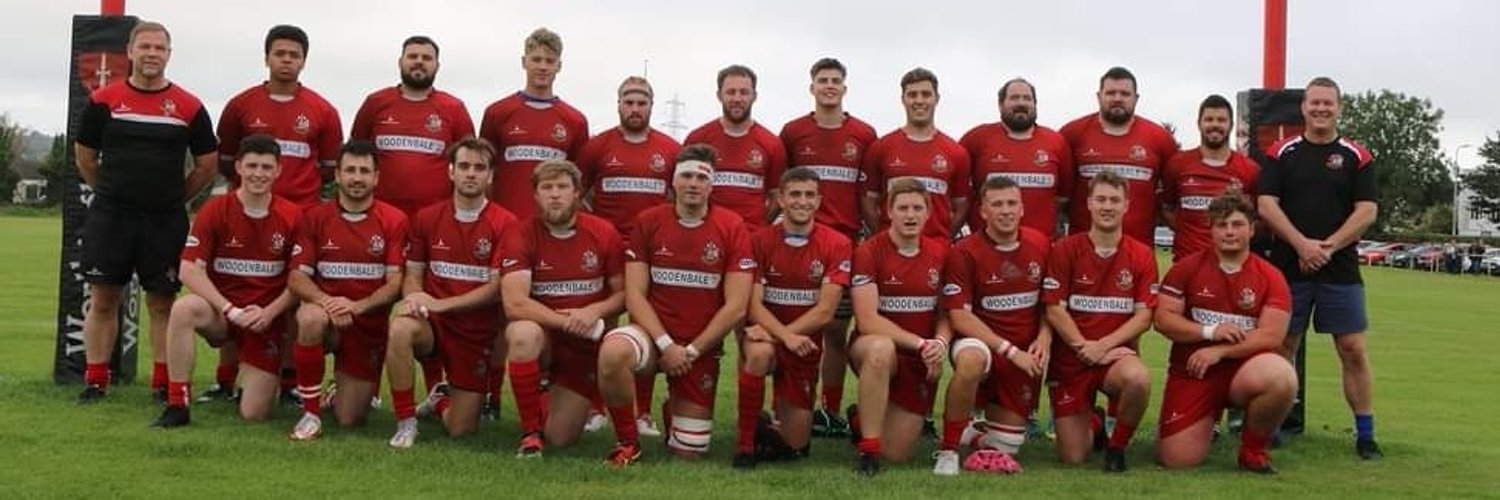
(111, 8)
(1274, 59)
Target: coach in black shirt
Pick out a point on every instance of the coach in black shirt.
(1318, 195)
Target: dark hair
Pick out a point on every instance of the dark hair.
(362, 149)
(421, 40)
(1324, 81)
(1215, 101)
(737, 70)
(917, 75)
(1109, 178)
(259, 144)
(827, 63)
(996, 183)
(1119, 73)
(1005, 87)
(904, 185)
(700, 152)
(1227, 204)
(473, 144)
(799, 174)
(286, 32)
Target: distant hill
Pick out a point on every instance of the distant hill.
(35, 145)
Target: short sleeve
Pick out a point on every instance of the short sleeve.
(1145, 283)
(331, 137)
(1176, 280)
(416, 241)
(1365, 186)
(396, 228)
(958, 271)
(91, 123)
(840, 254)
(614, 252)
(1055, 286)
(1278, 293)
(304, 251)
(203, 237)
(741, 257)
(515, 250)
(201, 139)
(864, 265)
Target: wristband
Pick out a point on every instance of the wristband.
(1208, 332)
(598, 331)
(423, 311)
(663, 342)
(692, 352)
(227, 307)
(1009, 350)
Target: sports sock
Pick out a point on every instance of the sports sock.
(432, 371)
(752, 396)
(526, 384)
(645, 391)
(1121, 436)
(953, 430)
(97, 374)
(623, 418)
(833, 398)
(226, 373)
(1253, 442)
(309, 362)
(158, 375)
(1364, 427)
(869, 446)
(177, 393)
(404, 403)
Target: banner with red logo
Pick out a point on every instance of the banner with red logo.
(98, 59)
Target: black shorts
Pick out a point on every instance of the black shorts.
(118, 243)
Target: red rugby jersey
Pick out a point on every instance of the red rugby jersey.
(1001, 287)
(1211, 296)
(940, 164)
(246, 256)
(688, 264)
(306, 126)
(836, 154)
(458, 256)
(1042, 166)
(749, 166)
(1189, 184)
(412, 138)
(1101, 293)
(793, 276)
(1137, 156)
(908, 286)
(527, 131)
(347, 254)
(568, 271)
(627, 178)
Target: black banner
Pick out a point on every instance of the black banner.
(98, 58)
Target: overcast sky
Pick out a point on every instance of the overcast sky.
(1180, 51)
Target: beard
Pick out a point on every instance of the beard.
(1212, 143)
(1018, 121)
(635, 123)
(558, 217)
(729, 115)
(1117, 116)
(416, 83)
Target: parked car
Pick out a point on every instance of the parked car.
(1381, 254)
(1408, 258)
(1164, 237)
(1490, 263)
(1430, 258)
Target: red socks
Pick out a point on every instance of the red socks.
(432, 371)
(309, 362)
(526, 383)
(645, 391)
(952, 431)
(752, 396)
(226, 374)
(623, 418)
(178, 393)
(403, 403)
(869, 446)
(97, 374)
(1253, 442)
(833, 398)
(158, 375)
(1121, 436)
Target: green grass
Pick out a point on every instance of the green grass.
(1432, 343)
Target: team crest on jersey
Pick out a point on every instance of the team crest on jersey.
(590, 261)
(1334, 162)
(851, 151)
(1124, 280)
(1247, 299)
(933, 279)
(434, 123)
(658, 163)
(1033, 271)
(710, 253)
(939, 163)
(278, 242)
(377, 245)
(1235, 186)
(1137, 152)
(815, 270)
(482, 249)
(559, 133)
(1042, 157)
(707, 383)
(756, 159)
(1010, 271)
(303, 125)
(168, 107)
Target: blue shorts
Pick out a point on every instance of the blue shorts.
(1340, 308)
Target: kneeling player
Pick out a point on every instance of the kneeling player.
(451, 285)
(992, 292)
(687, 281)
(1099, 294)
(234, 265)
(902, 336)
(563, 280)
(804, 267)
(1226, 312)
(347, 272)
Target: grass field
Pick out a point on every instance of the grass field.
(1429, 342)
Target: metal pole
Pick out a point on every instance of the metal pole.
(1456, 174)
(111, 7)
(1274, 69)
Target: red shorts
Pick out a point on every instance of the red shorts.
(909, 389)
(261, 350)
(361, 349)
(1188, 400)
(574, 364)
(796, 376)
(700, 384)
(465, 354)
(1009, 387)
(1073, 393)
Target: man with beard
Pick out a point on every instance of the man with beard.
(563, 280)
(310, 133)
(1225, 310)
(1195, 177)
(991, 292)
(451, 287)
(346, 271)
(750, 158)
(920, 151)
(626, 171)
(132, 136)
(413, 125)
(804, 267)
(832, 143)
(1116, 140)
(234, 263)
(1036, 158)
(532, 125)
(1099, 292)
(687, 282)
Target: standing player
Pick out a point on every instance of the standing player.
(687, 281)
(992, 295)
(920, 151)
(832, 143)
(132, 137)
(234, 263)
(309, 131)
(1035, 157)
(750, 158)
(804, 267)
(1196, 176)
(1225, 311)
(1318, 195)
(413, 125)
(903, 337)
(1099, 295)
(532, 125)
(451, 286)
(346, 271)
(563, 280)
(1116, 140)
(626, 171)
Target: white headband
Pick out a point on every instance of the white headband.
(694, 166)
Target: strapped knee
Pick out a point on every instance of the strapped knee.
(690, 434)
